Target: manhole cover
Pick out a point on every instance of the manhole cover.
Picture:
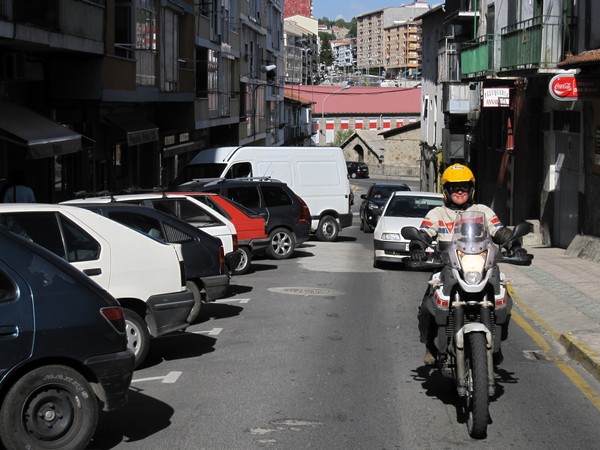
(306, 291)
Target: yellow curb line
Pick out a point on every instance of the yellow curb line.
(589, 392)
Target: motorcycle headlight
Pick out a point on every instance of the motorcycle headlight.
(472, 266)
(391, 237)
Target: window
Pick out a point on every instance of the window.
(143, 224)
(213, 83)
(275, 196)
(80, 245)
(123, 29)
(201, 72)
(186, 210)
(246, 195)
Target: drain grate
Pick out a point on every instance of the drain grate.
(306, 291)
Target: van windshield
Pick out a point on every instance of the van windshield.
(208, 170)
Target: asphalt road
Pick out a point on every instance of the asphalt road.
(321, 351)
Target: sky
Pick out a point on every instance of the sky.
(347, 9)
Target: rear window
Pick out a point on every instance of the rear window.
(416, 207)
(275, 196)
(245, 195)
(186, 210)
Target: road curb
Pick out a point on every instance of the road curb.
(581, 353)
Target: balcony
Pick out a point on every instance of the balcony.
(448, 61)
(521, 43)
(477, 57)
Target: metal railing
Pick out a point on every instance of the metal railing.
(537, 43)
(477, 57)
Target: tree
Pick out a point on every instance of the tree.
(341, 136)
(326, 55)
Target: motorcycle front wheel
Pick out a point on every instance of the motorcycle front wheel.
(477, 400)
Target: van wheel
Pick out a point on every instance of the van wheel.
(281, 244)
(138, 336)
(48, 408)
(194, 289)
(328, 229)
(245, 261)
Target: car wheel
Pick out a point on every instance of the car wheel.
(281, 244)
(328, 229)
(48, 408)
(353, 175)
(362, 225)
(245, 261)
(194, 289)
(138, 337)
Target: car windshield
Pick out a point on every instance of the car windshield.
(417, 207)
(387, 191)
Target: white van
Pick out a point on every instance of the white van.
(317, 174)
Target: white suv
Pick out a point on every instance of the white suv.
(147, 277)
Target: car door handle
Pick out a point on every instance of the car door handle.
(9, 331)
(92, 272)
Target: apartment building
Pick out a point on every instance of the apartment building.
(373, 29)
(496, 96)
(344, 56)
(301, 48)
(104, 95)
(402, 49)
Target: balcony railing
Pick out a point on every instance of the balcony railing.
(145, 67)
(477, 57)
(537, 43)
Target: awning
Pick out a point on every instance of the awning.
(183, 148)
(138, 130)
(41, 136)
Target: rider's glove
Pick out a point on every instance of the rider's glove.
(418, 255)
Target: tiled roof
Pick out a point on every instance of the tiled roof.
(365, 100)
(588, 57)
(292, 94)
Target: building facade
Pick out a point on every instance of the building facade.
(490, 91)
(139, 88)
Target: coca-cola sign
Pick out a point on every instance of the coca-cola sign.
(570, 87)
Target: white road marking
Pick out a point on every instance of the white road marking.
(170, 378)
(229, 300)
(213, 332)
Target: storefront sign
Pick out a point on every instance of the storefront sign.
(569, 87)
(498, 97)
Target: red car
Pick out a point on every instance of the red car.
(250, 226)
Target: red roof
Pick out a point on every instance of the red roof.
(367, 100)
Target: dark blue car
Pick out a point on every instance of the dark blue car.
(374, 201)
(60, 334)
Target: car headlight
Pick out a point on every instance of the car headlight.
(391, 237)
(372, 206)
(472, 266)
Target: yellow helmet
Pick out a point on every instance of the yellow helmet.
(457, 173)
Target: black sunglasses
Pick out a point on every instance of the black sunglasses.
(458, 189)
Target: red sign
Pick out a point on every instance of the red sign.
(569, 87)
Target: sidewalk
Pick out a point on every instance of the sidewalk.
(562, 294)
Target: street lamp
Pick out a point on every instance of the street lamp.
(348, 86)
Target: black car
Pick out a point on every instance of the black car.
(61, 335)
(203, 255)
(287, 216)
(357, 169)
(374, 201)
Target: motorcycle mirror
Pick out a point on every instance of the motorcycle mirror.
(411, 233)
(521, 229)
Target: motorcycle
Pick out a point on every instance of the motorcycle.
(471, 308)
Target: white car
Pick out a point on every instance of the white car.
(186, 208)
(404, 208)
(146, 276)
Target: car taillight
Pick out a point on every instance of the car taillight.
(114, 316)
(305, 213)
(235, 242)
(222, 259)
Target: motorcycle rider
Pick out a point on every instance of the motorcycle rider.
(458, 187)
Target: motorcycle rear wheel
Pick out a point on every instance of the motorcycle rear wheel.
(477, 400)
